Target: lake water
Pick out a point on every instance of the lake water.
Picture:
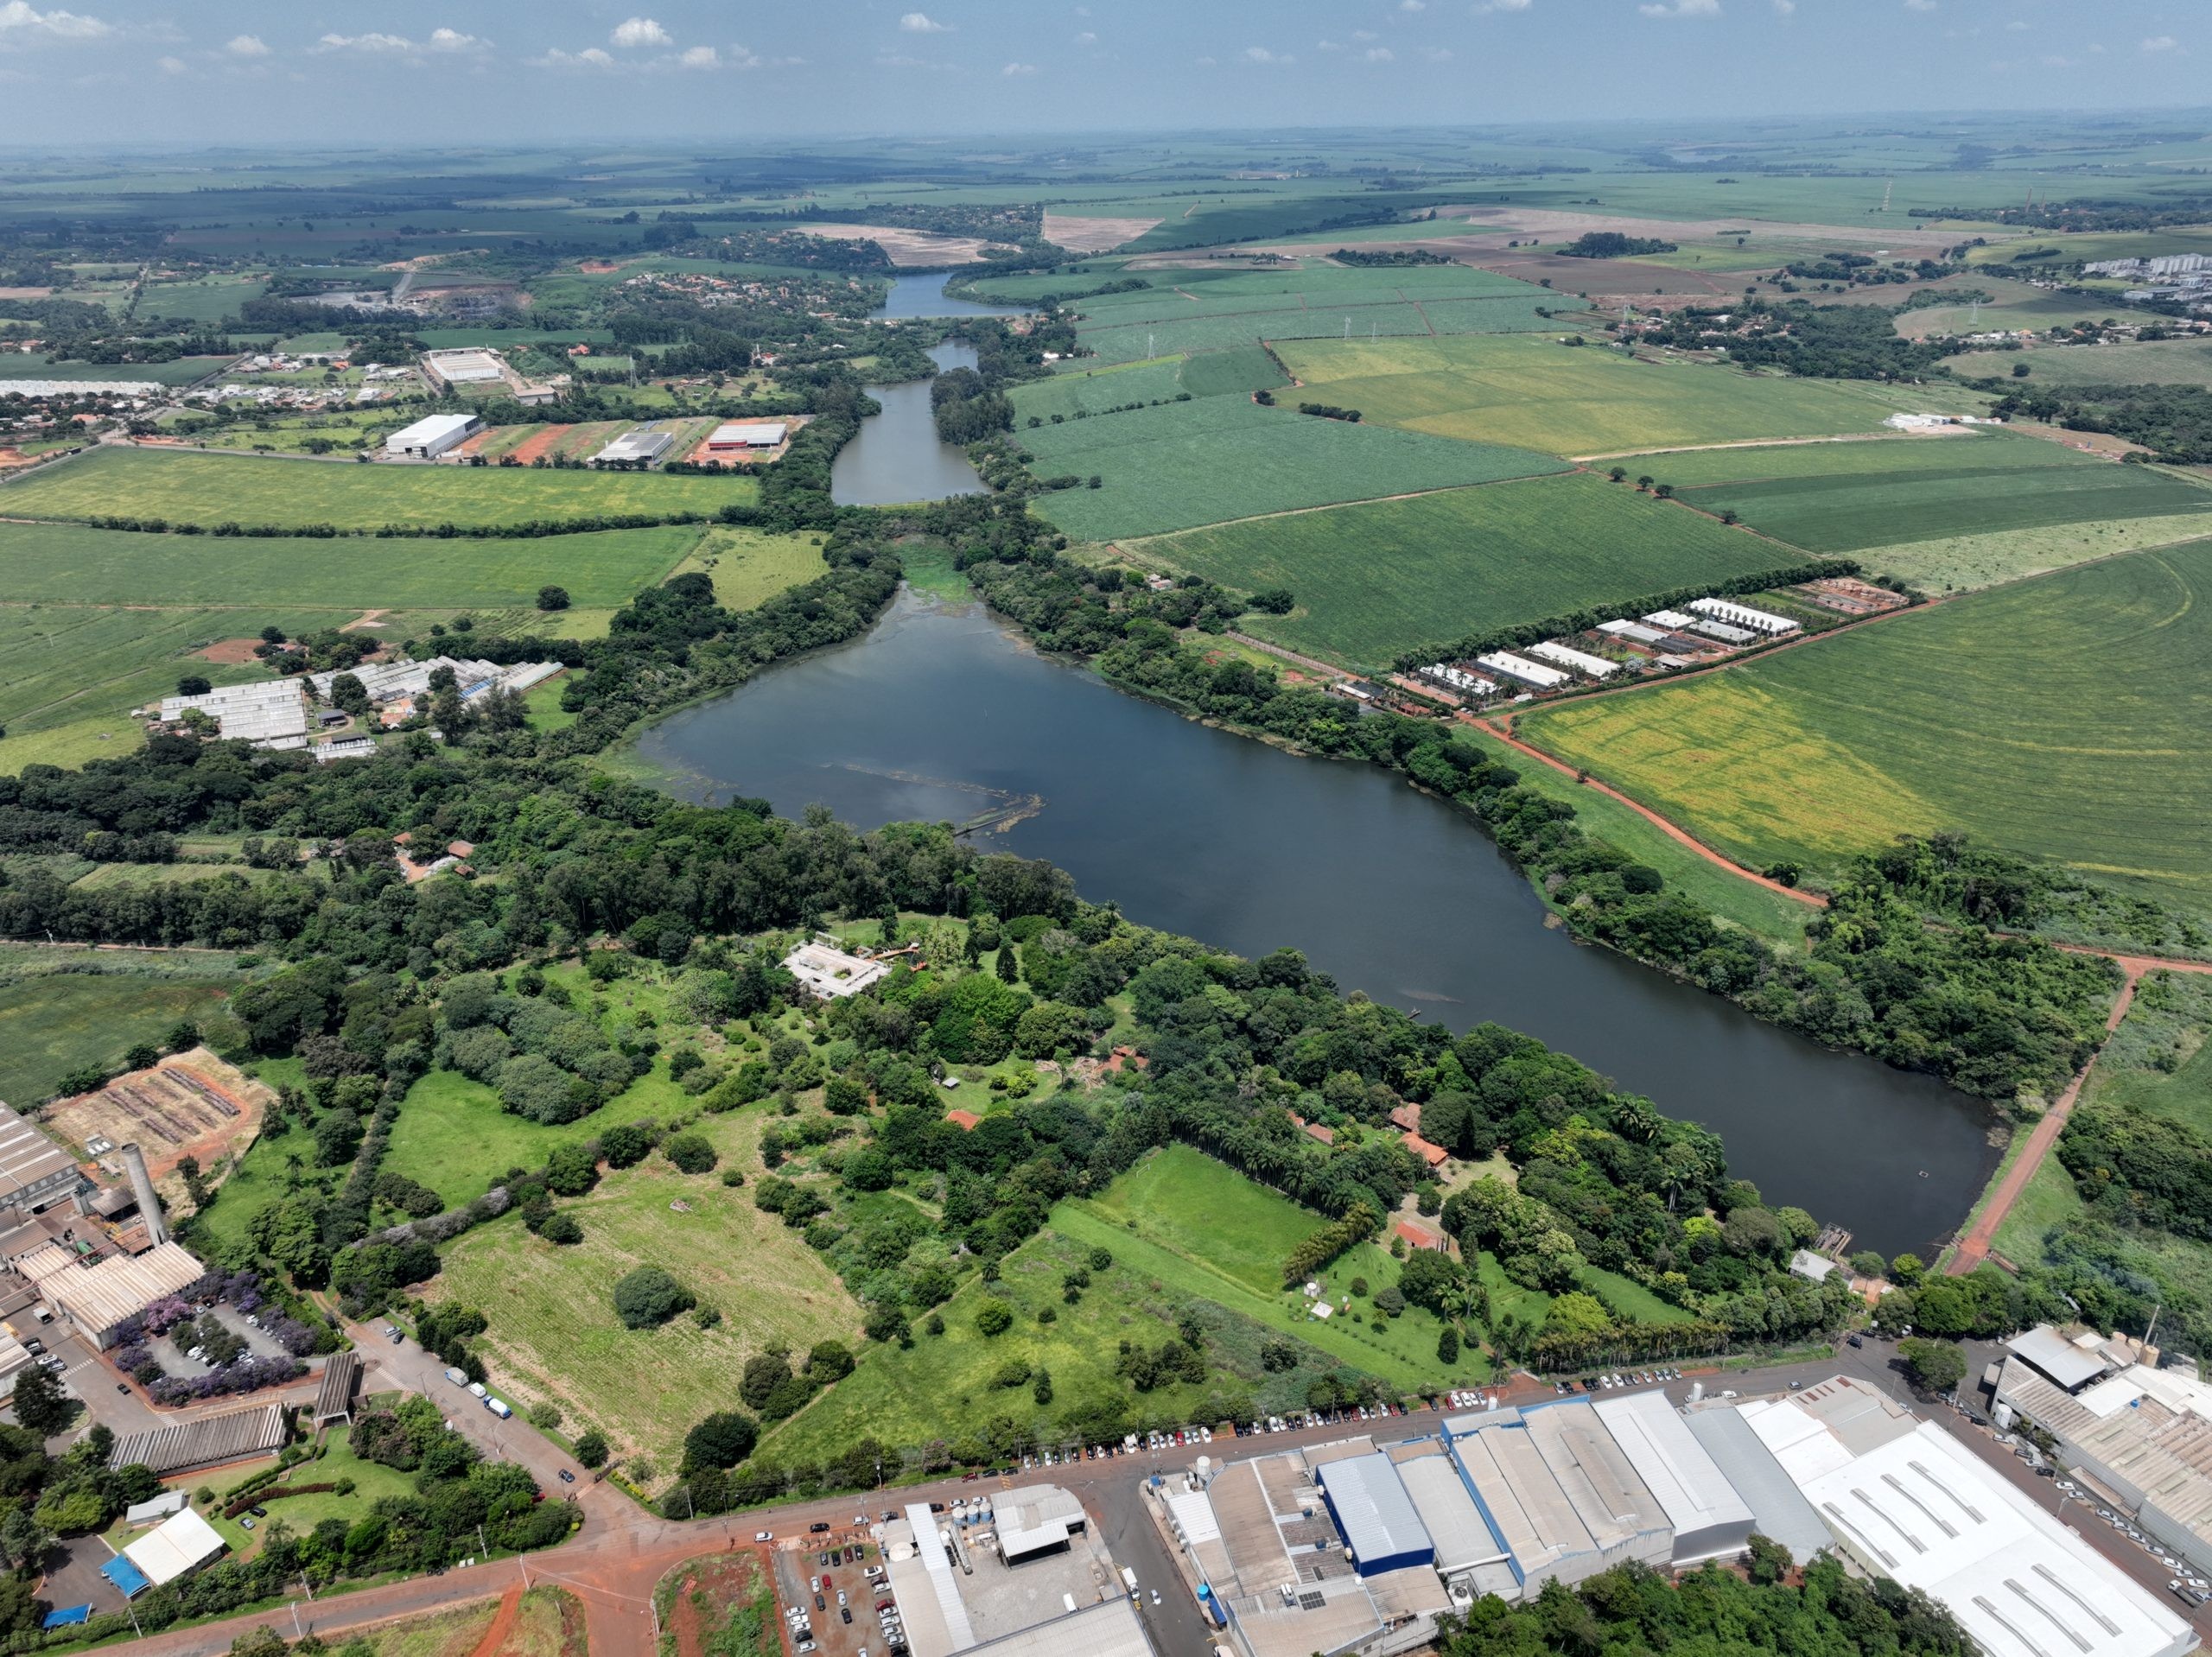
(925, 295)
(943, 713)
(897, 455)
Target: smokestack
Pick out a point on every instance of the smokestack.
(141, 1187)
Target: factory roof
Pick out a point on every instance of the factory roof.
(334, 1393)
(1524, 1504)
(1778, 1509)
(1448, 1514)
(754, 434)
(30, 1162)
(259, 711)
(1593, 1474)
(99, 1296)
(1678, 1470)
(1034, 1518)
(2071, 1365)
(430, 428)
(1371, 1503)
(645, 443)
(1108, 1628)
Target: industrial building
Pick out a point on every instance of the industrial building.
(1709, 1519)
(828, 972)
(1905, 1500)
(1507, 665)
(1723, 631)
(1636, 632)
(245, 1434)
(741, 435)
(1024, 1578)
(472, 365)
(2139, 1435)
(1742, 615)
(34, 1172)
(1594, 667)
(1458, 680)
(1375, 1516)
(95, 1297)
(30, 388)
(430, 436)
(647, 445)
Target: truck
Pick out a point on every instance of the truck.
(498, 1406)
(1130, 1577)
(456, 1377)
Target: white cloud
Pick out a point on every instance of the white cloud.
(1787, 8)
(16, 18)
(2017, 26)
(920, 22)
(452, 40)
(2155, 43)
(1413, 5)
(640, 31)
(1328, 46)
(591, 57)
(173, 66)
(1365, 34)
(1379, 54)
(1086, 39)
(1502, 5)
(1261, 55)
(701, 57)
(1920, 5)
(374, 45)
(1436, 54)
(1019, 69)
(246, 46)
(1683, 9)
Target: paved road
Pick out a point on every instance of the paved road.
(622, 1550)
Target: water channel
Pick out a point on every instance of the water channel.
(925, 295)
(942, 713)
(897, 455)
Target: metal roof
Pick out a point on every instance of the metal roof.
(1680, 1474)
(1371, 1503)
(31, 1163)
(2072, 1367)
(99, 1296)
(172, 1548)
(761, 434)
(1108, 1628)
(431, 428)
(1448, 1514)
(1777, 1509)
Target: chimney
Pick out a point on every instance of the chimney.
(141, 1187)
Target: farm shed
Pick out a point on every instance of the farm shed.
(1723, 631)
(1507, 665)
(266, 711)
(1636, 632)
(431, 436)
(176, 1446)
(746, 434)
(35, 1172)
(1595, 667)
(1742, 615)
(1376, 1516)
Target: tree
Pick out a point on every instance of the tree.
(693, 1153)
(41, 1404)
(550, 597)
(1009, 969)
(650, 1297)
(1448, 1346)
(591, 1447)
(763, 1373)
(1934, 1366)
(828, 1361)
(723, 1439)
(994, 1317)
(350, 695)
(1041, 1388)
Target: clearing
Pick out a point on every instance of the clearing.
(2165, 362)
(52, 1023)
(1372, 581)
(2067, 718)
(185, 487)
(749, 567)
(1533, 392)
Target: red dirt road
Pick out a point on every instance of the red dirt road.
(510, 1613)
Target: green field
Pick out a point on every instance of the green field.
(1531, 391)
(51, 1024)
(1962, 562)
(1088, 391)
(1214, 459)
(2068, 718)
(2165, 362)
(34, 365)
(203, 299)
(750, 567)
(555, 1335)
(2159, 1059)
(455, 1137)
(74, 564)
(1371, 581)
(207, 489)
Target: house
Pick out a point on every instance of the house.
(1418, 1233)
(1434, 1155)
(1406, 1117)
(1316, 1131)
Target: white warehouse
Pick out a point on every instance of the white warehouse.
(1742, 615)
(1594, 667)
(1519, 669)
(431, 436)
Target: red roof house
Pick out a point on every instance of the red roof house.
(1433, 1155)
(1418, 1234)
(1407, 1117)
(1316, 1131)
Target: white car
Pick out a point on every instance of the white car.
(764, 1536)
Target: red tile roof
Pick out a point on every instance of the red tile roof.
(1407, 1117)
(1418, 1234)
(1316, 1131)
(1432, 1155)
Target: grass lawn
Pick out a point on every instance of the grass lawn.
(2049, 1199)
(1088, 389)
(263, 1176)
(373, 1481)
(1219, 458)
(1961, 563)
(2067, 718)
(1371, 581)
(189, 488)
(1982, 491)
(750, 567)
(256, 580)
(455, 1137)
(1530, 391)
(555, 1335)
(51, 1024)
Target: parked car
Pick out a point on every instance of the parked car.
(764, 1536)
(567, 1477)
(820, 1527)
(820, 1603)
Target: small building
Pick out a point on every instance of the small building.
(1814, 1269)
(155, 1509)
(1418, 1233)
(334, 1393)
(1635, 631)
(1406, 1117)
(431, 436)
(1319, 1132)
(1519, 669)
(737, 435)
(1593, 667)
(828, 972)
(1434, 1155)
(647, 445)
(178, 1545)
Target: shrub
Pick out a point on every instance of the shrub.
(591, 1447)
(994, 1317)
(691, 1153)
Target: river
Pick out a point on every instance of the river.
(942, 713)
(925, 295)
(897, 456)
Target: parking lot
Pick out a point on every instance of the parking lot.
(825, 1577)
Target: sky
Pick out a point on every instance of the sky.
(247, 72)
